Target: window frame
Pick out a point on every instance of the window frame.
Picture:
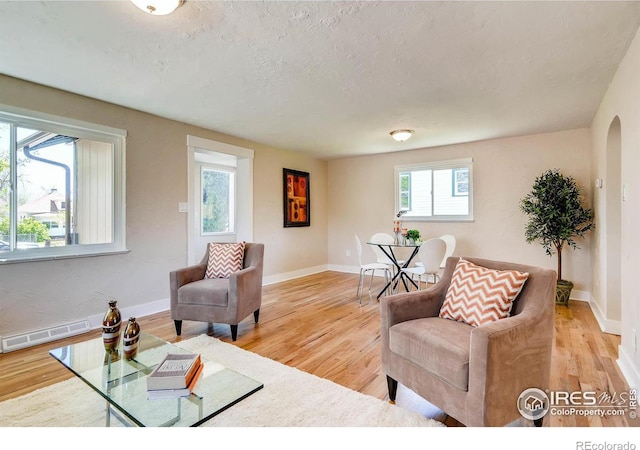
(86, 130)
(463, 163)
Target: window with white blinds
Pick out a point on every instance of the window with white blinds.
(435, 191)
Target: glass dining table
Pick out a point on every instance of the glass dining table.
(390, 249)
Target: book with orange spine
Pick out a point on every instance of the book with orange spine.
(172, 393)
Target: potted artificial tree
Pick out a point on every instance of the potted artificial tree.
(556, 218)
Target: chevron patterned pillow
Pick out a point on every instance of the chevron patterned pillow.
(224, 259)
(478, 295)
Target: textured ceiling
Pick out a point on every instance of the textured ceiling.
(331, 78)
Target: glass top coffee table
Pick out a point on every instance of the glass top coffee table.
(123, 384)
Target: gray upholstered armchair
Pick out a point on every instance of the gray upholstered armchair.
(473, 374)
(218, 300)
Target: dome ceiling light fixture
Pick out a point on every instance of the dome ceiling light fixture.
(401, 135)
(158, 7)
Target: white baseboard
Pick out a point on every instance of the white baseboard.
(272, 279)
(629, 371)
(351, 269)
(606, 325)
(146, 309)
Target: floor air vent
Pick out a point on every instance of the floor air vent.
(18, 341)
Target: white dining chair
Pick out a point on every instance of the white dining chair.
(430, 256)
(381, 238)
(369, 267)
(450, 240)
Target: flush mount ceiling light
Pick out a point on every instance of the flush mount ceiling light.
(401, 135)
(157, 7)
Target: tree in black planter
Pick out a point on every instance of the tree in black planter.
(556, 218)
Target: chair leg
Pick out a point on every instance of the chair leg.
(178, 324)
(360, 285)
(538, 422)
(392, 385)
(256, 315)
(234, 332)
(419, 281)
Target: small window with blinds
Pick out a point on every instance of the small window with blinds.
(436, 191)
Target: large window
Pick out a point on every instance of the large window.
(61, 187)
(436, 191)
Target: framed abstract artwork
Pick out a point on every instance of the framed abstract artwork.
(297, 212)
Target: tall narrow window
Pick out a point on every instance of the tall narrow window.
(436, 191)
(61, 188)
(218, 201)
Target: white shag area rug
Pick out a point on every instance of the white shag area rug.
(289, 398)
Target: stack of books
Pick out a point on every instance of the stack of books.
(175, 376)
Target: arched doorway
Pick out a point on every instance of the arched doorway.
(613, 232)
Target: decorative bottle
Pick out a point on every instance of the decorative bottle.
(130, 338)
(111, 327)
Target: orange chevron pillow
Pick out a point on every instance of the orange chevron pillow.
(478, 295)
(224, 259)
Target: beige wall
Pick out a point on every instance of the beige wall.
(622, 100)
(297, 249)
(361, 192)
(41, 294)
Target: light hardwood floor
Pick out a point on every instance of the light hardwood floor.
(317, 325)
